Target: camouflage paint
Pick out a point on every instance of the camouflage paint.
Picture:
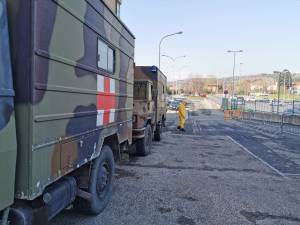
(159, 81)
(8, 144)
(143, 109)
(56, 77)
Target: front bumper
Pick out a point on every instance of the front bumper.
(138, 133)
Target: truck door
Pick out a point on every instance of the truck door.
(8, 144)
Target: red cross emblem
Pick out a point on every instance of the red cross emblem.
(106, 100)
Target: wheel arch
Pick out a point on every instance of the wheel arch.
(113, 142)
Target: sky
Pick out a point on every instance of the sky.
(268, 31)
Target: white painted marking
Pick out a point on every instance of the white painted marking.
(185, 135)
(255, 156)
(112, 115)
(194, 127)
(100, 117)
(112, 86)
(100, 83)
(292, 174)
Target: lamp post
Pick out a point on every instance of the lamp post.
(174, 60)
(233, 73)
(240, 75)
(278, 90)
(180, 72)
(161, 40)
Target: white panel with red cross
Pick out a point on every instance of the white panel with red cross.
(106, 100)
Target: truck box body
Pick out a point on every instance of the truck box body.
(72, 64)
(159, 82)
(8, 143)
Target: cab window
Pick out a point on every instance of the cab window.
(140, 91)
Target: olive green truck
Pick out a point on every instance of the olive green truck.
(66, 106)
(149, 108)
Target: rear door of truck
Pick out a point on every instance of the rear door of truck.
(8, 146)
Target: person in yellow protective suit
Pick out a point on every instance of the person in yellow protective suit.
(181, 115)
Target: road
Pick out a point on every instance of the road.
(216, 173)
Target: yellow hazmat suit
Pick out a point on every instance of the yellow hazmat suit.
(181, 115)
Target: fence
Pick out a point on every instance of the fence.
(281, 107)
(283, 117)
(283, 123)
(286, 107)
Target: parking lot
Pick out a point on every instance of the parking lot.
(216, 173)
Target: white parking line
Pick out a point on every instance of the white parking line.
(255, 156)
(292, 174)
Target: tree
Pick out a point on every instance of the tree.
(285, 78)
(169, 91)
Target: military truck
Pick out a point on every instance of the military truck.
(66, 101)
(150, 107)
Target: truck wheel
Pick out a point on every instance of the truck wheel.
(158, 133)
(143, 146)
(20, 216)
(100, 184)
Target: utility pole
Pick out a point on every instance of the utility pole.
(284, 86)
(233, 73)
(278, 89)
(239, 83)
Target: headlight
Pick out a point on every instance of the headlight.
(134, 118)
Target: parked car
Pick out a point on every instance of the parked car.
(174, 105)
(276, 103)
(250, 98)
(291, 111)
(240, 100)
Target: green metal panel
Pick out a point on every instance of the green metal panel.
(8, 144)
(57, 79)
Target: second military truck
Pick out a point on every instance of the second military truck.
(150, 107)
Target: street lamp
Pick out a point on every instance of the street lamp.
(233, 74)
(174, 59)
(240, 75)
(180, 70)
(161, 40)
(173, 67)
(278, 89)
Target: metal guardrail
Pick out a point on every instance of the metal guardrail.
(287, 107)
(268, 114)
(281, 123)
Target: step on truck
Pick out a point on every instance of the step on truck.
(150, 107)
(66, 101)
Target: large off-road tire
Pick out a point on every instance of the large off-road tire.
(158, 132)
(143, 146)
(20, 216)
(100, 184)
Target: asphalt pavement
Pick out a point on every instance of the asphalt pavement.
(215, 173)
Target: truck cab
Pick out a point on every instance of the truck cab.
(143, 116)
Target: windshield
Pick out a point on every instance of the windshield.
(141, 91)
